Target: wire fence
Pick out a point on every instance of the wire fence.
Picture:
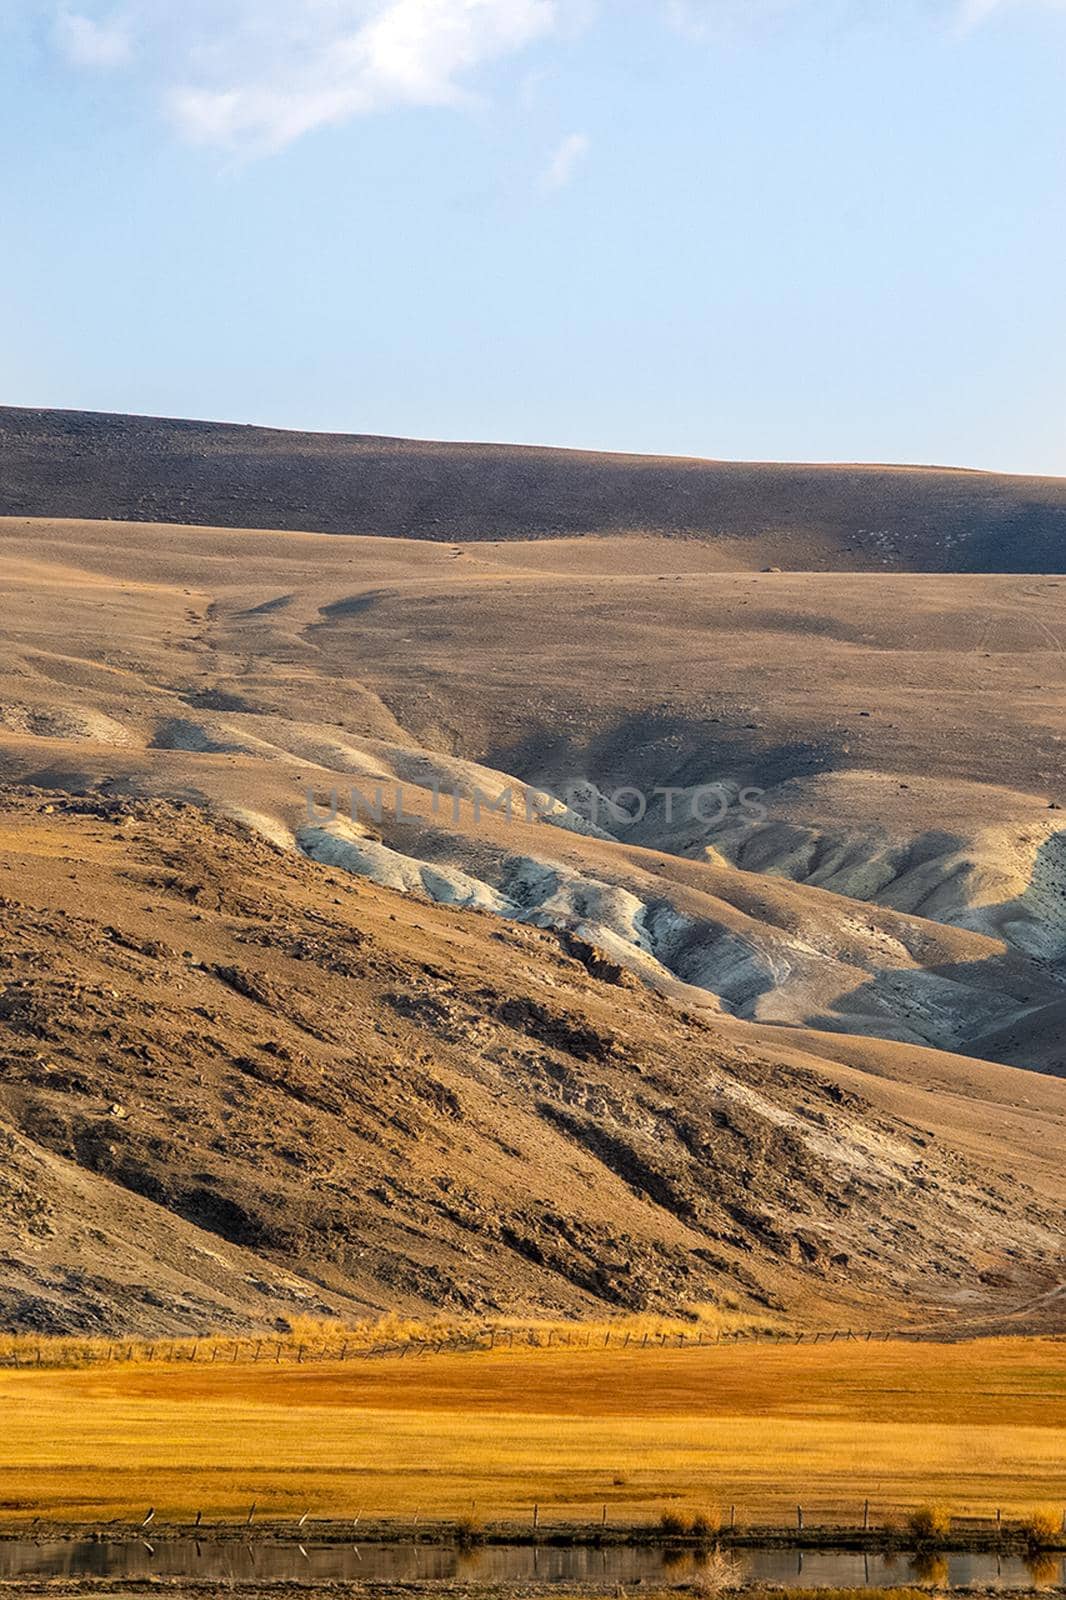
(58, 1352)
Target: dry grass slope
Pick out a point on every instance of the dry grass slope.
(306, 1340)
(972, 1427)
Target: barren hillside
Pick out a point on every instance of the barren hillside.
(263, 1051)
(238, 1086)
(902, 875)
(895, 518)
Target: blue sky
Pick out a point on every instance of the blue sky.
(780, 229)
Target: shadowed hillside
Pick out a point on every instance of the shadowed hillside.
(84, 464)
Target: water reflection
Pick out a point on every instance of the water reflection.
(234, 1561)
(931, 1569)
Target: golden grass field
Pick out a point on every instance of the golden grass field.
(319, 1338)
(971, 1426)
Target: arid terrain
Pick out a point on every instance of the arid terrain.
(838, 518)
(264, 1053)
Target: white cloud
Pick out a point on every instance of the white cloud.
(971, 13)
(703, 18)
(89, 43)
(254, 75)
(324, 61)
(566, 158)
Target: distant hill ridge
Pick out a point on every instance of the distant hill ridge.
(144, 469)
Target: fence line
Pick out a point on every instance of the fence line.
(252, 1349)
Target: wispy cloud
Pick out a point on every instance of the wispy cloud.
(257, 74)
(702, 18)
(565, 160)
(89, 42)
(402, 53)
(971, 13)
(252, 76)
